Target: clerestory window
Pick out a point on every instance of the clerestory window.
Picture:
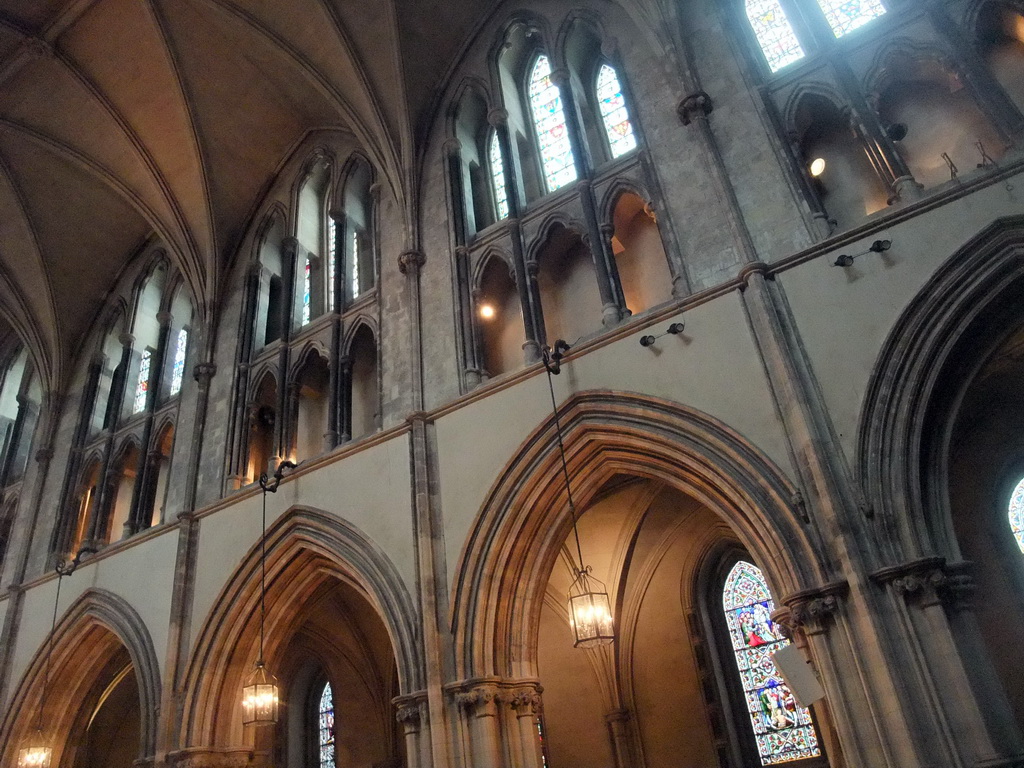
(550, 126)
(498, 177)
(1016, 514)
(617, 125)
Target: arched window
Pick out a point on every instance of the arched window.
(774, 33)
(498, 177)
(783, 730)
(325, 729)
(846, 15)
(614, 115)
(549, 122)
(313, 234)
(142, 384)
(307, 293)
(359, 235)
(1017, 514)
(332, 262)
(178, 367)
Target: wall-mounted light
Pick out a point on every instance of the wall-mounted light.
(896, 131)
(487, 311)
(817, 167)
(846, 260)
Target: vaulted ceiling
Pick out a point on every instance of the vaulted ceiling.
(121, 120)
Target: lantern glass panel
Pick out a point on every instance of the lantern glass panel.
(590, 613)
(260, 698)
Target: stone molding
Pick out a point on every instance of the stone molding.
(930, 581)
(409, 262)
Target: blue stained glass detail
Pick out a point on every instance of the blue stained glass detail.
(307, 293)
(552, 132)
(1017, 514)
(355, 263)
(774, 33)
(498, 177)
(178, 369)
(614, 115)
(325, 728)
(783, 730)
(142, 385)
(846, 15)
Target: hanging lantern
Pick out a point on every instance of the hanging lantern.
(36, 752)
(590, 612)
(260, 697)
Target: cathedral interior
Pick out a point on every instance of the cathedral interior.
(511, 383)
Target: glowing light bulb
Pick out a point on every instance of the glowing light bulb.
(817, 167)
(487, 311)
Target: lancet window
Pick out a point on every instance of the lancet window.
(498, 176)
(784, 731)
(614, 114)
(1016, 514)
(325, 728)
(550, 124)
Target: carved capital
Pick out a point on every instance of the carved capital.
(480, 700)
(695, 105)
(164, 318)
(526, 701)
(44, 454)
(411, 711)
(203, 372)
(560, 76)
(497, 117)
(814, 610)
(930, 581)
(409, 263)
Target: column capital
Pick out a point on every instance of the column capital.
(164, 318)
(497, 117)
(451, 147)
(526, 700)
(411, 711)
(126, 339)
(410, 262)
(203, 372)
(480, 698)
(930, 581)
(559, 76)
(814, 610)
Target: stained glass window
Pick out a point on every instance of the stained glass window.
(178, 369)
(142, 385)
(498, 177)
(307, 293)
(543, 744)
(355, 263)
(332, 259)
(846, 15)
(325, 719)
(613, 112)
(783, 730)
(774, 33)
(1017, 514)
(552, 132)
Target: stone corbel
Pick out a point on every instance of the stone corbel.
(930, 581)
(203, 372)
(694, 105)
(410, 262)
(411, 711)
(813, 611)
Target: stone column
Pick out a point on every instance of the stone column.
(204, 373)
(410, 263)
(618, 725)
(478, 703)
(526, 703)
(412, 715)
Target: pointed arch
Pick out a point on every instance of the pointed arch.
(362, 321)
(305, 548)
(93, 630)
(504, 566)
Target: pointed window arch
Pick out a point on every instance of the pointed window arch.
(325, 728)
(774, 33)
(614, 114)
(846, 15)
(1017, 514)
(783, 730)
(551, 128)
(498, 177)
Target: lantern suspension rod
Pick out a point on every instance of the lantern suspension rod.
(64, 568)
(269, 485)
(552, 357)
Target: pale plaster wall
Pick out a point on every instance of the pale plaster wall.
(369, 489)
(845, 314)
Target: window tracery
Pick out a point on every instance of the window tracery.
(774, 33)
(550, 125)
(783, 730)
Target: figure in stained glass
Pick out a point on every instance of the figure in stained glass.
(549, 121)
(846, 15)
(1017, 514)
(307, 293)
(142, 385)
(614, 115)
(498, 177)
(783, 730)
(355, 263)
(774, 33)
(332, 260)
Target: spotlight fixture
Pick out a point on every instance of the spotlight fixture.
(673, 330)
(896, 131)
(817, 167)
(878, 246)
(261, 697)
(590, 614)
(487, 311)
